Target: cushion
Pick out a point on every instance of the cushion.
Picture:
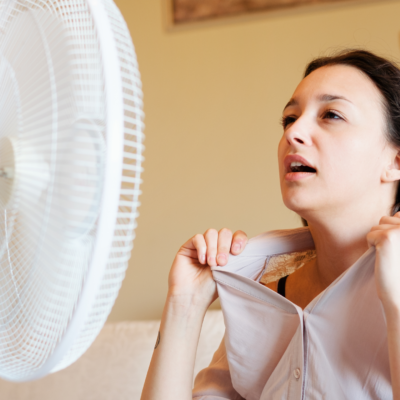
(115, 366)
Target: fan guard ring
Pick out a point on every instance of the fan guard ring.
(76, 179)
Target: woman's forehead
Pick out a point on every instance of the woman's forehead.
(337, 82)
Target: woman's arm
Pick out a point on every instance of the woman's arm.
(170, 375)
(386, 239)
(191, 291)
(393, 330)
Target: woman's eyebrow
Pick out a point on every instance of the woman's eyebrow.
(291, 102)
(331, 97)
(324, 98)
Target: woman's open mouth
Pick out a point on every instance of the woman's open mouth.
(296, 166)
(297, 171)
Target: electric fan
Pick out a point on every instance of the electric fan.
(71, 137)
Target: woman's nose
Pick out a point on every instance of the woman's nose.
(299, 133)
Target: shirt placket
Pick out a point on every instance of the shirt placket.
(305, 353)
(298, 362)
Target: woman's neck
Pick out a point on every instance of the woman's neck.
(339, 243)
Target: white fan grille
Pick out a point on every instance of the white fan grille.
(53, 118)
(128, 204)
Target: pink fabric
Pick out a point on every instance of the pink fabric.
(335, 349)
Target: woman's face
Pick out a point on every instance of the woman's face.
(334, 124)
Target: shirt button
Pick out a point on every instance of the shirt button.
(297, 373)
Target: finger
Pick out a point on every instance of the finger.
(395, 220)
(239, 242)
(200, 245)
(385, 227)
(188, 249)
(211, 238)
(382, 236)
(224, 245)
(373, 238)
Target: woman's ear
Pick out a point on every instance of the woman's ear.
(392, 171)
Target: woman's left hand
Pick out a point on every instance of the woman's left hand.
(386, 239)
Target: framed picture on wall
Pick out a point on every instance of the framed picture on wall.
(186, 11)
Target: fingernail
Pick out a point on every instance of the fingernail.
(211, 261)
(221, 258)
(203, 258)
(236, 246)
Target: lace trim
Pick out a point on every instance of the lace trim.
(285, 264)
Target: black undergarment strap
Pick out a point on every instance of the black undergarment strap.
(282, 285)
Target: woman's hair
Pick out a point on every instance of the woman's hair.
(386, 76)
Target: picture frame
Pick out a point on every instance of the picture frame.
(178, 14)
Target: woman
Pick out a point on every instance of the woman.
(339, 165)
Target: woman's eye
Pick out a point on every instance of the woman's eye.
(332, 115)
(287, 121)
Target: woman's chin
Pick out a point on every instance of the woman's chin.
(299, 204)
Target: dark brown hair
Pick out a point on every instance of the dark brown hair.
(386, 76)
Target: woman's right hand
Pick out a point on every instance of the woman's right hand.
(191, 290)
(190, 279)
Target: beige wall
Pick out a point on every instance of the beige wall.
(213, 99)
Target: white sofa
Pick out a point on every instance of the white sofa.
(115, 366)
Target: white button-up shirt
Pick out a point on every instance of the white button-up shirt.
(334, 349)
